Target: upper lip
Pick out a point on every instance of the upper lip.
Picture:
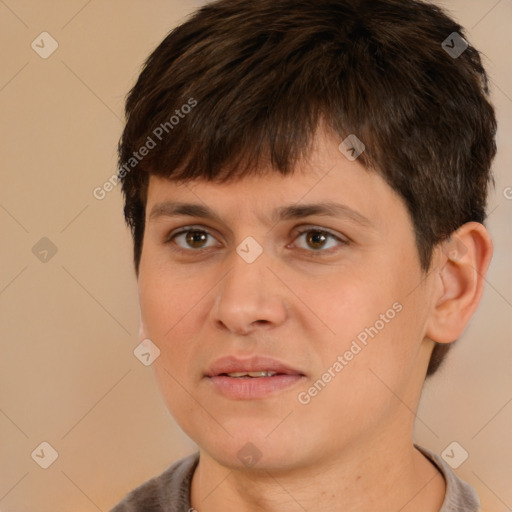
(231, 364)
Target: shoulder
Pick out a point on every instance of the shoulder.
(459, 494)
(167, 492)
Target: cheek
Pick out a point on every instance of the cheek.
(166, 300)
(374, 321)
(371, 380)
(167, 312)
(174, 310)
(351, 308)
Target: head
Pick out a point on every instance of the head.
(242, 109)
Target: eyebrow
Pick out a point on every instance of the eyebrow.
(283, 213)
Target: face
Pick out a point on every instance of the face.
(332, 304)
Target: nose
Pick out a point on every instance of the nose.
(249, 297)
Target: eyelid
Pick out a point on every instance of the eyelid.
(305, 228)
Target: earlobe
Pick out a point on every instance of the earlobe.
(463, 260)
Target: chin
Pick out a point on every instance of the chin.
(255, 452)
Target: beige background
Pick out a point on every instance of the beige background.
(68, 375)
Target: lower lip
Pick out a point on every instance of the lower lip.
(246, 388)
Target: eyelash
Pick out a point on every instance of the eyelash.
(314, 253)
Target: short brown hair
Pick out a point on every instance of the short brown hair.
(258, 76)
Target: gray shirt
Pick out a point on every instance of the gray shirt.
(170, 491)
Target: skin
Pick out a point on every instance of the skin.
(351, 447)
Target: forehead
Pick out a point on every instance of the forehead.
(326, 178)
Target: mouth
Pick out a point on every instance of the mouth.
(251, 375)
(254, 378)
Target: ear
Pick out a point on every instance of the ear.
(463, 261)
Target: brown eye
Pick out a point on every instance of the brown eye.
(316, 239)
(195, 238)
(191, 239)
